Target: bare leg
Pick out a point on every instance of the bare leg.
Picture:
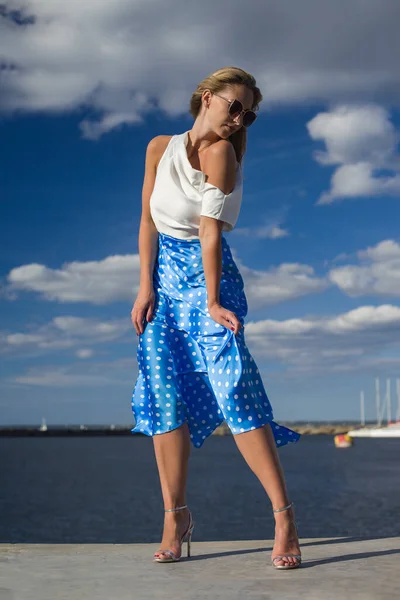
(172, 451)
(259, 450)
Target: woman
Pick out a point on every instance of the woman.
(195, 370)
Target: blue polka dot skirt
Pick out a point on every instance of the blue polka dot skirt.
(191, 368)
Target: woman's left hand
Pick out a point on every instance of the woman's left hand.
(225, 317)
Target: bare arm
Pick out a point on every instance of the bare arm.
(148, 237)
(221, 171)
(148, 234)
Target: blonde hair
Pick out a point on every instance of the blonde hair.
(218, 81)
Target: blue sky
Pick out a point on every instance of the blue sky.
(317, 240)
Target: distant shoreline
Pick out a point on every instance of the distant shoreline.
(328, 428)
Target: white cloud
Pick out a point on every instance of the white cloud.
(362, 141)
(279, 284)
(268, 225)
(88, 375)
(63, 333)
(271, 232)
(84, 353)
(378, 274)
(23, 339)
(278, 232)
(58, 377)
(113, 279)
(119, 60)
(351, 341)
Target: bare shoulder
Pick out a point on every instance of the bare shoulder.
(156, 147)
(221, 165)
(222, 148)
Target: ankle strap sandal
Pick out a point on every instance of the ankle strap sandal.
(164, 556)
(297, 564)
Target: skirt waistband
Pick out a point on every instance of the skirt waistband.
(166, 237)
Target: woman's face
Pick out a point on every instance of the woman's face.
(220, 120)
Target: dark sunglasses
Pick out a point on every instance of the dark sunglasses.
(236, 109)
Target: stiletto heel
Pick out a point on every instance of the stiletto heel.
(281, 556)
(189, 539)
(172, 557)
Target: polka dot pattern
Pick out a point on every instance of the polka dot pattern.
(191, 368)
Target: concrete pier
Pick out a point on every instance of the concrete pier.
(333, 568)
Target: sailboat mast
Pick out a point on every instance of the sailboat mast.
(388, 401)
(362, 407)
(378, 402)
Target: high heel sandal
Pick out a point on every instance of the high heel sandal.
(172, 557)
(281, 556)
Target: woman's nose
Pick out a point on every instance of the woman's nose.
(238, 119)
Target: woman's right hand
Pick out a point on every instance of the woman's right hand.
(225, 317)
(142, 308)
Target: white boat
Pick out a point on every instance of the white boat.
(392, 428)
(43, 426)
(389, 431)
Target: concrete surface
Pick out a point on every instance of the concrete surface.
(336, 568)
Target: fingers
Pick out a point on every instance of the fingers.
(138, 317)
(137, 321)
(233, 322)
(227, 318)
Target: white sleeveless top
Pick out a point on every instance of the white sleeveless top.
(181, 195)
